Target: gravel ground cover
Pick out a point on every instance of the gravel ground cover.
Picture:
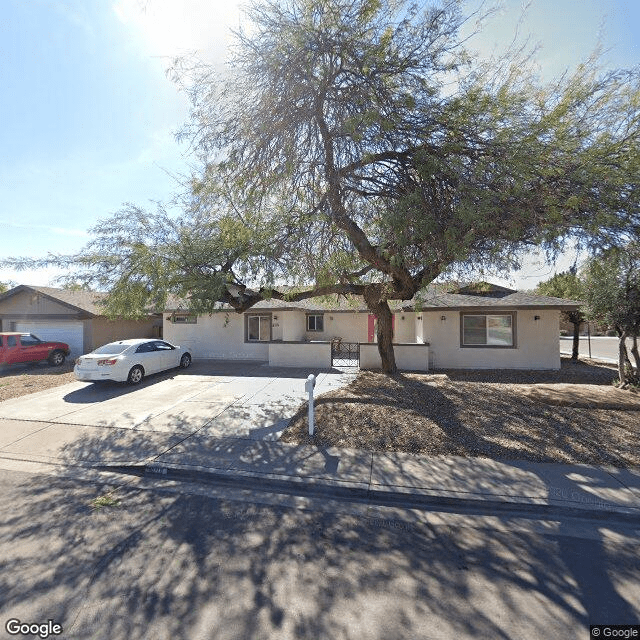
(476, 413)
(21, 379)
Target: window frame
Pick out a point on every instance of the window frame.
(161, 345)
(247, 318)
(32, 341)
(189, 318)
(316, 316)
(496, 313)
(146, 347)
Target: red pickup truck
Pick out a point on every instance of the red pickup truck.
(25, 347)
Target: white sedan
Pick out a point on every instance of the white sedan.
(130, 360)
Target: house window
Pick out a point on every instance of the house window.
(258, 328)
(487, 330)
(184, 318)
(315, 323)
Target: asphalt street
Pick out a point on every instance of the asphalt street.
(115, 557)
(602, 347)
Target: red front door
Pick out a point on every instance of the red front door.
(372, 326)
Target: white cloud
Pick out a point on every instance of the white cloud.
(168, 28)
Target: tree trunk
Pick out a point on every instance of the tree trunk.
(622, 357)
(380, 307)
(575, 317)
(576, 341)
(636, 355)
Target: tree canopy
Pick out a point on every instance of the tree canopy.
(562, 285)
(355, 147)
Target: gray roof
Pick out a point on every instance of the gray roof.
(518, 300)
(84, 301)
(325, 303)
(433, 297)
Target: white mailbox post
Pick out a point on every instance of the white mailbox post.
(308, 387)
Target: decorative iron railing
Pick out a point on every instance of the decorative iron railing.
(345, 354)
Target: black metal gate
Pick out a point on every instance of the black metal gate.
(345, 354)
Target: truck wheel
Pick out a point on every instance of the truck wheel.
(56, 358)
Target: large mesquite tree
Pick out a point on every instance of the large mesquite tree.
(358, 133)
(355, 147)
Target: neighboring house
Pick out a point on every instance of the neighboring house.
(480, 326)
(74, 317)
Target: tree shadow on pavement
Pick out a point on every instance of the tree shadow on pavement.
(167, 565)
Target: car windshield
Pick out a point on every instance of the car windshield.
(112, 348)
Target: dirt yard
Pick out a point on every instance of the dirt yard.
(574, 415)
(20, 379)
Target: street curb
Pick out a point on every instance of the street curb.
(362, 493)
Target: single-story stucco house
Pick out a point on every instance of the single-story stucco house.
(477, 327)
(70, 316)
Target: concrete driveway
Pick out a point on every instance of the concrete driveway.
(109, 422)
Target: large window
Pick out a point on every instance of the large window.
(184, 318)
(484, 330)
(258, 328)
(315, 322)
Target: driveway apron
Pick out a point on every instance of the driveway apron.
(92, 423)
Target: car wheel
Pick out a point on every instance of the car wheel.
(135, 375)
(185, 361)
(56, 359)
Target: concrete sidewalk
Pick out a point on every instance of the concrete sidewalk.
(270, 466)
(403, 476)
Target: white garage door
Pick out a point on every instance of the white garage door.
(68, 331)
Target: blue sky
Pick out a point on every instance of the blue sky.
(89, 116)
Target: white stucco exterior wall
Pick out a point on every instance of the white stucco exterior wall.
(220, 335)
(351, 327)
(537, 343)
(409, 357)
(292, 325)
(300, 354)
(405, 327)
(419, 328)
(276, 326)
